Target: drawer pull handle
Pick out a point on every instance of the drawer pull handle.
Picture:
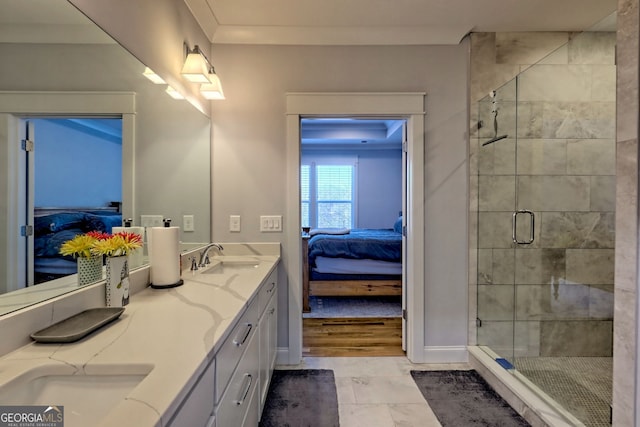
(246, 389)
(239, 342)
(272, 310)
(273, 285)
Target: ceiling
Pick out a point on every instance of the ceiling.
(386, 22)
(333, 133)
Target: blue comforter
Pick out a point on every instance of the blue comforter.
(379, 244)
(51, 231)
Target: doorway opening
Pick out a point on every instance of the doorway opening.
(73, 173)
(407, 106)
(70, 181)
(353, 194)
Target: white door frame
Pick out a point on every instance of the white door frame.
(409, 106)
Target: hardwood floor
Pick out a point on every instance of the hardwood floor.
(352, 336)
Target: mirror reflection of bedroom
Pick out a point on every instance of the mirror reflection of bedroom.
(76, 185)
(352, 195)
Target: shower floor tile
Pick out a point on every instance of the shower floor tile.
(582, 385)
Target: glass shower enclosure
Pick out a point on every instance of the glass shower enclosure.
(545, 224)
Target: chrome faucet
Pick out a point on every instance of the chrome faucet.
(204, 257)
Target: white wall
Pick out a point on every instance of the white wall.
(155, 32)
(62, 180)
(249, 143)
(172, 145)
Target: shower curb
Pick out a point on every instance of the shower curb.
(533, 408)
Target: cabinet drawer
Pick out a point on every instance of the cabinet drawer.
(267, 290)
(197, 407)
(234, 347)
(238, 398)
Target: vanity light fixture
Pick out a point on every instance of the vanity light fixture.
(174, 93)
(212, 90)
(151, 75)
(196, 66)
(198, 69)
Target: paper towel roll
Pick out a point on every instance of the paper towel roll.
(135, 257)
(164, 253)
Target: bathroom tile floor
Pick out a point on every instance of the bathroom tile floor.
(377, 391)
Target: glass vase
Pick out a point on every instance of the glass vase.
(117, 282)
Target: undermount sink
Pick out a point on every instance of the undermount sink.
(222, 267)
(86, 398)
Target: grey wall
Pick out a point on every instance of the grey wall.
(249, 144)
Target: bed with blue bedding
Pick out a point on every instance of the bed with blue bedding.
(53, 227)
(352, 262)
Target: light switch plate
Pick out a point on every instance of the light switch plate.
(234, 223)
(188, 223)
(151, 220)
(270, 223)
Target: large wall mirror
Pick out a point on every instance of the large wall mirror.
(139, 152)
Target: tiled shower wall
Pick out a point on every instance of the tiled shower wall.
(562, 110)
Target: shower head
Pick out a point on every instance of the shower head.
(494, 139)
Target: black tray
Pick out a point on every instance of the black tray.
(78, 326)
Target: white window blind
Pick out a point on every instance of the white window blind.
(327, 194)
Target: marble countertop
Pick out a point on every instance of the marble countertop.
(170, 334)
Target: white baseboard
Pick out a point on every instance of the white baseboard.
(444, 354)
(282, 357)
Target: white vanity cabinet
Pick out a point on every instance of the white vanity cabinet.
(196, 409)
(232, 390)
(268, 327)
(245, 362)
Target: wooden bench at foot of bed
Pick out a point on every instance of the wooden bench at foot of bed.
(335, 288)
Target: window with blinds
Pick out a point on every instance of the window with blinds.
(327, 195)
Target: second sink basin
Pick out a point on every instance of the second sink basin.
(222, 267)
(86, 398)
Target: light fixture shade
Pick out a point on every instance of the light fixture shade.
(174, 93)
(195, 67)
(213, 89)
(151, 75)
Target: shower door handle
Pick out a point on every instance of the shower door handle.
(514, 223)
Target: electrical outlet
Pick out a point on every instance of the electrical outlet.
(234, 223)
(151, 220)
(188, 223)
(270, 223)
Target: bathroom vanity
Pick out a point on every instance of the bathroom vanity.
(201, 354)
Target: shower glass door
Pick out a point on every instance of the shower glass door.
(496, 206)
(546, 212)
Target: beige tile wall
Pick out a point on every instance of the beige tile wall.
(562, 110)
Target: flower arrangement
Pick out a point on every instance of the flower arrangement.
(95, 243)
(119, 244)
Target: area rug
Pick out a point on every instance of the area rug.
(368, 306)
(463, 398)
(301, 398)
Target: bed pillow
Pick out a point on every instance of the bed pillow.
(58, 222)
(103, 222)
(49, 245)
(397, 226)
(334, 231)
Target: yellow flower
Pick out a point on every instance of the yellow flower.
(117, 245)
(78, 246)
(99, 243)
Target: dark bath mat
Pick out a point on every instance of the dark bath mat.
(463, 398)
(301, 398)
